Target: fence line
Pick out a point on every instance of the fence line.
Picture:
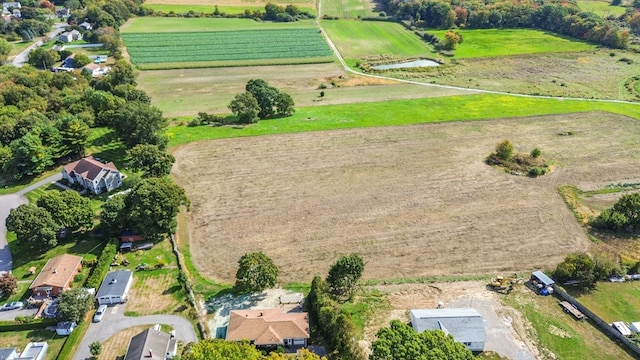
(603, 325)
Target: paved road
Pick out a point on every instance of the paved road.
(114, 321)
(8, 202)
(10, 315)
(23, 56)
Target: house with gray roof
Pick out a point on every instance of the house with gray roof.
(151, 344)
(465, 325)
(8, 353)
(115, 287)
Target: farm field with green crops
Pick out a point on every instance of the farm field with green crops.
(356, 39)
(178, 24)
(602, 8)
(226, 46)
(348, 8)
(505, 42)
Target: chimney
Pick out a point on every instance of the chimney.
(150, 353)
(55, 271)
(260, 314)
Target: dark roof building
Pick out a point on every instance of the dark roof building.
(465, 325)
(151, 344)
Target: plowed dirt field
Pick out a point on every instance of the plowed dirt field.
(413, 200)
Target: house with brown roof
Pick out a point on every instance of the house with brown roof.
(93, 175)
(56, 275)
(269, 327)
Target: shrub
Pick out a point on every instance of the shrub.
(537, 171)
(504, 150)
(535, 153)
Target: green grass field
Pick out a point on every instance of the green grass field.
(402, 112)
(348, 8)
(505, 42)
(225, 46)
(356, 39)
(614, 301)
(209, 9)
(602, 8)
(172, 25)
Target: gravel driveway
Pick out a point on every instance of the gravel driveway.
(115, 321)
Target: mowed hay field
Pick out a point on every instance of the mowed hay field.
(227, 6)
(415, 201)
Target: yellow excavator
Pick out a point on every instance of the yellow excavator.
(504, 284)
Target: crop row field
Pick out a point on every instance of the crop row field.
(225, 46)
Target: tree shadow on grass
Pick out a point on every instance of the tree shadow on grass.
(172, 290)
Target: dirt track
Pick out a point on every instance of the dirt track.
(413, 200)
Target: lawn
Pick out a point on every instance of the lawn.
(602, 8)
(356, 39)
(20, 339)
(348, 8)
(401, 112)
(614, 301)
(505, 42)
(559, 333)
(172, 25)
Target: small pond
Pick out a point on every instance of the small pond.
(412, 64)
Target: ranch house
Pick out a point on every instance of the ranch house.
(269, 328)
(56, 276)
(93, 175)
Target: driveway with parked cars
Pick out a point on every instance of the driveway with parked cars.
(10, 315)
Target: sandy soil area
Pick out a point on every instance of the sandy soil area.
(506, 329)
(415, 201)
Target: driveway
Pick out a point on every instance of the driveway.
(11, 201)
(10, 315)
(23, 56)
(114, 321)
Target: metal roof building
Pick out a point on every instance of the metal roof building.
(465, 325)
(543, 278)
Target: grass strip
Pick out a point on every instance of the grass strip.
(402, 112)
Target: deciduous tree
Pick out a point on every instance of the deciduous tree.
(245, 107)
(151, 160)
(5, 50)
(68, 209)
(30, 157)
(152, 206)
(401, 342)
(74, 304)
(256, 272)
(8, 284)
(344, 275)
(33, 225)
(213, 349)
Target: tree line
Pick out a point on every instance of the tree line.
(560, 17)
(272, 12)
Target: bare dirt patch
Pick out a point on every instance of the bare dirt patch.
(506, 334)
(415, 201)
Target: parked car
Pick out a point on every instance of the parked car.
(100, 313)
(12, 306)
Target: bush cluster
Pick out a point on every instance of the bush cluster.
(624, 216)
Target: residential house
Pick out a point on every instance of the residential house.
(465, 325)
(93, 175)
(269, 328)
(8, 353)
(97, 70)
(34, 351)
(86, 26)
(65, 328)
(56, 275)
(99, 59)
(63, 13)
(69, 36)
(151, 344)
(115, 287)
(11, 9)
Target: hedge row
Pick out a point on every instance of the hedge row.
(102, 267)
(8, 326)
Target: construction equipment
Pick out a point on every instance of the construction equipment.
(505, 284)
